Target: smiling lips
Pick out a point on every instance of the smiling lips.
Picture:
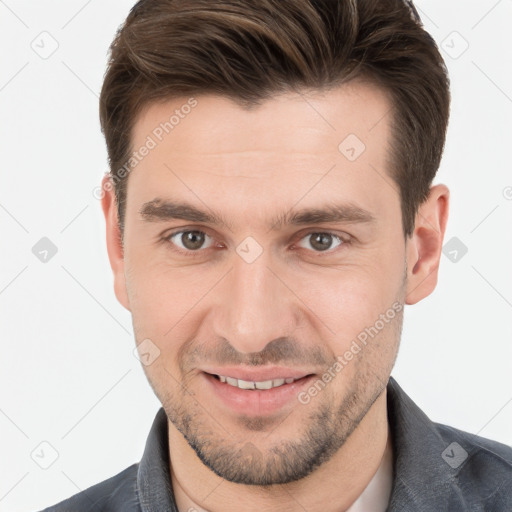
(263, 378)
(254, 391)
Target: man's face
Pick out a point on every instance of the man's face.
(260, 300)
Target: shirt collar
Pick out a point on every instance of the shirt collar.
(154, 476)
(422, 479)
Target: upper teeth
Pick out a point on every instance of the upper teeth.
(244, 384)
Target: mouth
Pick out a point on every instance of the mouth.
(255, 393)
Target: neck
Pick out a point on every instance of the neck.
(333, 487)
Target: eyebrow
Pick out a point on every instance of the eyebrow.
(159, 210)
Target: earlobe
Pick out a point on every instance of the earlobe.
(114, 242)
(425, 244)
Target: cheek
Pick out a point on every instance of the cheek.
(348, 300)
(163, 298)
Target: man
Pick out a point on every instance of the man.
(269, 212)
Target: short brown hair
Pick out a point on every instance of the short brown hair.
(249, 50)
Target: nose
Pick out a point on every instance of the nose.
(255, 306)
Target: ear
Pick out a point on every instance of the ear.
(425, 244)
(114, 243)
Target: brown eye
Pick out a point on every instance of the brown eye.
(189, 240)
(321, 242)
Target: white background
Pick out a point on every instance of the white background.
(69, 376)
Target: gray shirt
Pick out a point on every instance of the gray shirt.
(435, 468)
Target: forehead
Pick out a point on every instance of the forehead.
(294, 145)
(306, 121)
